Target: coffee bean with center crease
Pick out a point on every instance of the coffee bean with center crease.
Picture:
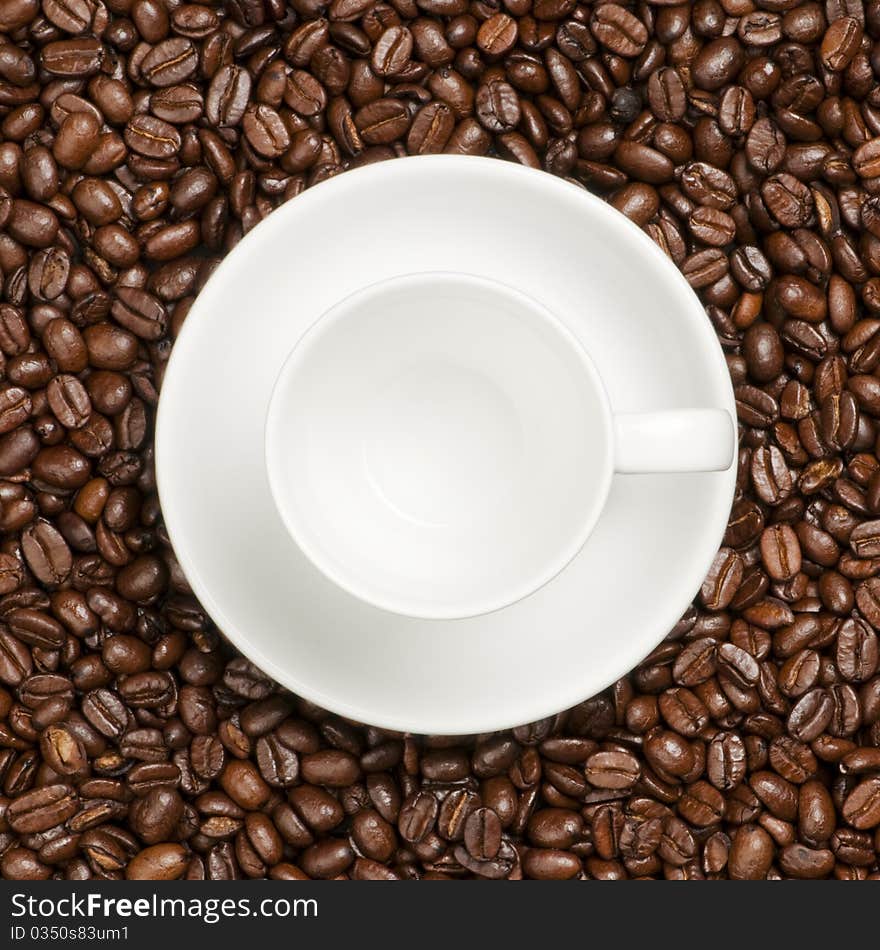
(497, 35)
(840, 43)
(152, 137)
(228, 95)
(106, 712)
(780, 551)
(431, 129)
(482, 834)
(391, 51)
(811, 715)
(15, 408)
(48, 273)
(723, 580)
(73, 58)
(42, 808)
(383, 121)
(265, 131)
(705, 267)
(46, 553)
(72, 16)
(170, 62)
(498, 106)
(140, 312)
(857, 652)
(417, 816)
(861, 808)
(69, 401)
(612, 770)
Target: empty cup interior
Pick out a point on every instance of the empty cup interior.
(439, 445)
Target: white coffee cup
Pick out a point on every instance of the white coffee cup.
(440, 445)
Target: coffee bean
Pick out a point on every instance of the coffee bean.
(550, 864)
(42, 808)
(265, 131)
(810, 715)
(106, 712)
(169, 62)
(840, 43)
(333, 768)
(73, 16)
(718, 63)
(497, 35)
(46, 553)
(788, 200)
(155, 817)
(327, 859)
(618, 30)
(861, 808)
(865, 539)
(770, 476)
(15, 408)
(723, 580)
(48, 273)
(392, 50)
(666, 94)
(227, 95)
(712, 227)
(497, 106)
(32, 224)
(857, 650)
(763, 352)
(373, 835)
(417, 816)
(482, 834)
(69, 401)
(431, 129)
(751, 853)
(780, 551)
(244, 785)
(75, 58)
(799, 673)
(696, 663)
(159, 862)
(35, 628)
(383, 121)
(669, 753)
(614, 770)
(139, 312)
(152, 137)
(643, 163)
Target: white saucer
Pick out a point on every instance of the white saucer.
(602, 276)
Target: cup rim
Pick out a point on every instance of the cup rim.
(402, 605)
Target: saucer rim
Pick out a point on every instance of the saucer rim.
(548, 702)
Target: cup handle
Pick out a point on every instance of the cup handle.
(677, 440)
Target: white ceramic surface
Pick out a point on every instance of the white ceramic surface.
(441, 446)
(604, 280)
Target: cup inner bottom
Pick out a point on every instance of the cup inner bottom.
(440, 442)
(439, 445)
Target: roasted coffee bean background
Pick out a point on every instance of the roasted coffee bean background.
(140, 139)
